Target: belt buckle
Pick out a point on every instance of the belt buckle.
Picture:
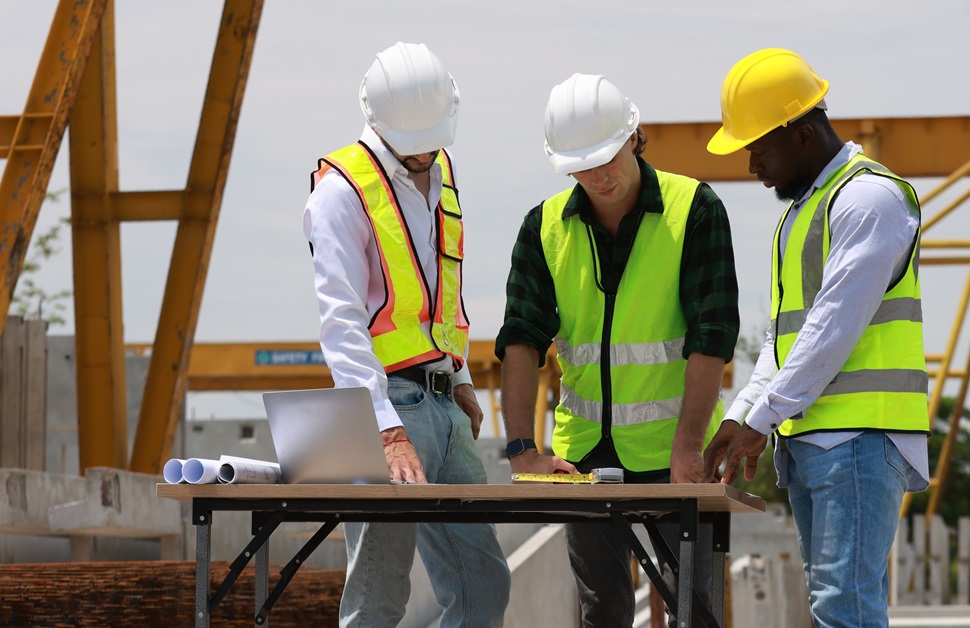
(439, 382)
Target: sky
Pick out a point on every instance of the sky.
(894, 58)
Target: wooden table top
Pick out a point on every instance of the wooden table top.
(710, 497)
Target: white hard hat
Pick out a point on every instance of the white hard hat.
(588, 120)
(410, 99)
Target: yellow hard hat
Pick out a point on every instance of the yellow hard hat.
(763, 91)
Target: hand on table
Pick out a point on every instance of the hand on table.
(531, 461)
(402, 459)
(732, 443)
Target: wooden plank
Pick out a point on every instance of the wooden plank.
(35, 396)
(711, 497)
(11, 393)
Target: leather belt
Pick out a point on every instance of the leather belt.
(437, 382)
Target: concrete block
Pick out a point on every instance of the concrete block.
(769, 592)
(26, 497)
(543, 587)
(118, 503)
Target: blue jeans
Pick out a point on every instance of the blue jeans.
(845, 502)
(465, 562)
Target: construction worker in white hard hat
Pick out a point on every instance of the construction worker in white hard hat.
(841, 378)
(386, 235)
(631, 272)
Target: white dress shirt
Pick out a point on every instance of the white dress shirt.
(349, 281)
(872, 231)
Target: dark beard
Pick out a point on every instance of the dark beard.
(791, 191)
(411, 165)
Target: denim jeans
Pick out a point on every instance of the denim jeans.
(600, 558)
(845, 502)
(464, 561)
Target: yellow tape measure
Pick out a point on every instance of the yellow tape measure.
(598, 476)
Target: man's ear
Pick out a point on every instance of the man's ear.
(805, 134)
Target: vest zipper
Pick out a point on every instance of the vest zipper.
(606, 380)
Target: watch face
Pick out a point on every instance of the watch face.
(518, 446)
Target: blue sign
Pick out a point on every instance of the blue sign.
(296, 357)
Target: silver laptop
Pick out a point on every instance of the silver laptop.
(326, 436)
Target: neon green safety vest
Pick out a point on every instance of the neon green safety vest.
(621, 355)
(396, 327)
(883, 383)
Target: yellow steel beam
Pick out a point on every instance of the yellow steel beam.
(96, 244)
(8, 126)
(911, 147)
(30, 143)
(164, 391)
(141, 206)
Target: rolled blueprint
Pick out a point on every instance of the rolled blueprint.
(201, 471)
(172, 472)
(247, 471)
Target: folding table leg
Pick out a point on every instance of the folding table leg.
(203, 564)
(262, 578)
(685, 574)
(722, 544)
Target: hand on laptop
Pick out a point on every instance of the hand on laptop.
(402, 460)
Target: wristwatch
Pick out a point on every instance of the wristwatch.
(518, 446)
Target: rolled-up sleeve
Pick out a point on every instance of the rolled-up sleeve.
(709, 282)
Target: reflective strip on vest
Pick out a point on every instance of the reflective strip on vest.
(645, 364)
(450, 329)
(623, 414)
(900, 309)
(399, 327)
(623, 354)
(883, 382)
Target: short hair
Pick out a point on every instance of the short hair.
(641, 141)
(813, 117)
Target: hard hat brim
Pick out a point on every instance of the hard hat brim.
(568, 162)
(723, 143)
(406, 143)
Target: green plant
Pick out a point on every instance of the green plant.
(31, 300)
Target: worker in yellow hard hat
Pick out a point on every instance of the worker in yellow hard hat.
(630, 270)
(841, 378)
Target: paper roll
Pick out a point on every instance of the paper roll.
(172, 471)
(201, 471)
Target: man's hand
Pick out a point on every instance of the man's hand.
(687, 466)
(749, 444)
(716, 451)
(464, 395)
(402, 459)
(531, 461)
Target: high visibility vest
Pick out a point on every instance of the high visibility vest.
(621, 355)
(883, 383)
(398, 326)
